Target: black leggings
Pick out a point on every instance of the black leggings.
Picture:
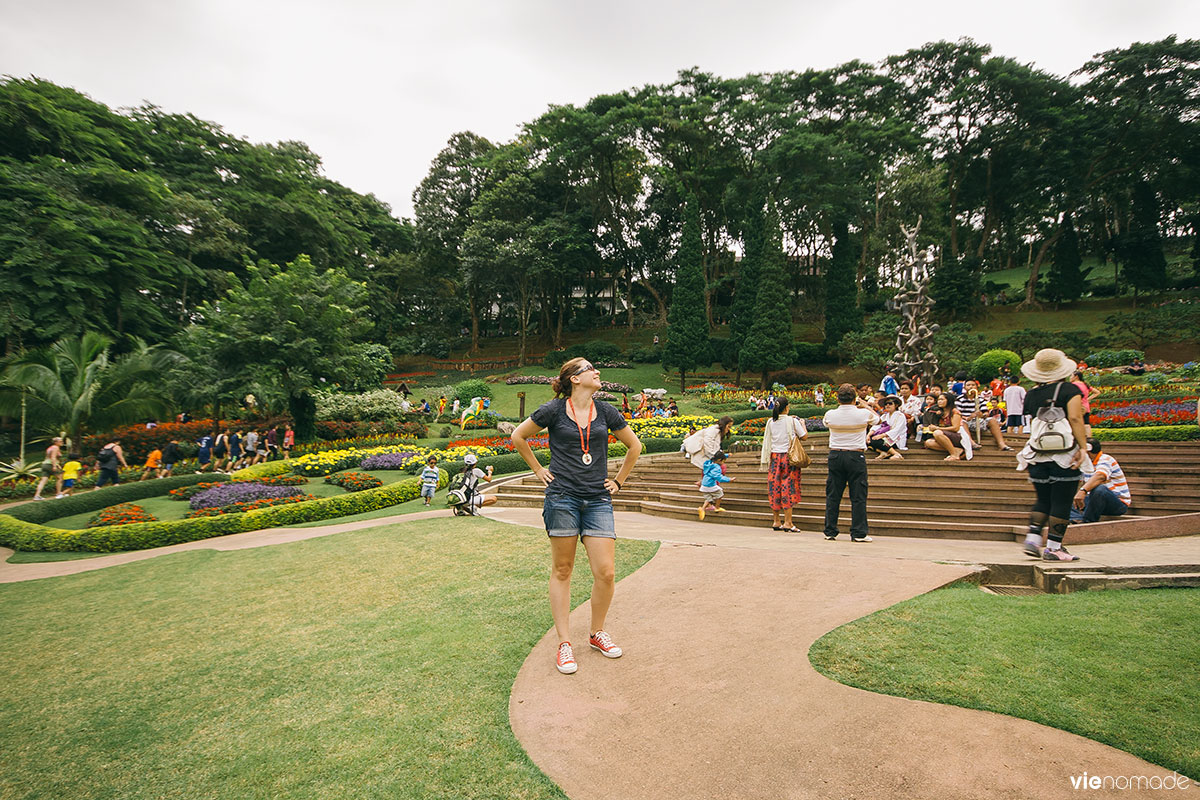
(1055, 488)
(1054, 499)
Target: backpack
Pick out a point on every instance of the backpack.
(459, 494)
(1050, 432)
(106, 458)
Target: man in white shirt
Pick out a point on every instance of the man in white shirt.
(848, 424)
(1014, 405)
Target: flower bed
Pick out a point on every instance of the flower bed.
(354, 481)
(340, 429)
(756, 427)
(545, 380)
(137, 440)
(387, 460)
(229, 493)
(188, 492)
(319, 464)
(237, 508)
(21, 534)
(670, 427)
(121, 514)
(1141, 414)
(361, 442)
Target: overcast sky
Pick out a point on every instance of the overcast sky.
(376, 88)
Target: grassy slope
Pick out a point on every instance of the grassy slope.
(1117, 666)
(379, 660)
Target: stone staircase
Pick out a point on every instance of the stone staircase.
(921, 496)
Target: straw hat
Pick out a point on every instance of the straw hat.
(1048, 365)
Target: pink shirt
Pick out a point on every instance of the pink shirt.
(1083, 387)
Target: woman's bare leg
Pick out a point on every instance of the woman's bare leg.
(562, 564)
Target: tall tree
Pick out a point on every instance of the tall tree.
(1141, 247)
(1065, 281)
(295, 328)
(769, 344)
(687, 347)
(955, 287)
(745, 293)
(842, 314)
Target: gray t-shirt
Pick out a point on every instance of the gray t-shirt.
(571, 475)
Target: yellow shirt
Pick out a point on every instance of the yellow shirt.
(152, 460)
(71, 470)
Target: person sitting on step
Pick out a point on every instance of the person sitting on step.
(883, 437)
(1106, 493)
(946, 433)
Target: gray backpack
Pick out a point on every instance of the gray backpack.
(1050, 431)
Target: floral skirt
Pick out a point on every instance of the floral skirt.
(783, 483)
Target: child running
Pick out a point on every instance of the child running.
(710, 485)
(70, 474)
(152, 465)
(429, 479)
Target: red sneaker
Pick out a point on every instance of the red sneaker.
(601, 641)
(566, 659)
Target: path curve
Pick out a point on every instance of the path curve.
(716, 698)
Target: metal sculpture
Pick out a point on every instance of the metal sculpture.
(914, 356)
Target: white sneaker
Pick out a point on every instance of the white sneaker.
(59, 496)
(566, 659)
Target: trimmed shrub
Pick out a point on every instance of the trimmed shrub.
(1112, 358)
(472, 387)
(266, 469)
(23, 535)
(988, 365)
(1156, 433)
(94, 501)
(638, 355)
(810, 353)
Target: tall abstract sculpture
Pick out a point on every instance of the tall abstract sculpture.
(914, 355)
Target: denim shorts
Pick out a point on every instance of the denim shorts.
(568, 515)
(427, 491)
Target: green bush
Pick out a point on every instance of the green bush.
(267, 469)
(23, 535)
(742, 416)
(988, 365)
(641, 355)
(1112, 358)
(599, 350)
(810, 353)
(1154, 433)
(94, 501)
(472, 387)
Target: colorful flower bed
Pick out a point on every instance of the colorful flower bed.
(326, 463)
(387, 460)
(718, 395)
(1142, 414)
(756, 427)
(341, 429)
(121, 514)
(360, 442)
(500, 444)
(226, 494)
(234, 508)
(354, 481)
(670, 427)
(137, 440)
(188, 492)
(545, 380)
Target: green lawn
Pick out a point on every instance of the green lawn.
(1117, 666)
(374, 664)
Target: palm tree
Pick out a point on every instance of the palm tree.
(73, 385)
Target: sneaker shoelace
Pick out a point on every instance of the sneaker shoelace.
(603, 639)
(565, 654)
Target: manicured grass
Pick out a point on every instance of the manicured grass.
(367, 664)
(1117, 666)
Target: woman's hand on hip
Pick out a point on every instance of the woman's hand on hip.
(545, 476)
(611, 486)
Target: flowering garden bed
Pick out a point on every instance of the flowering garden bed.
(237, 508)
(121, 514)
(354, 481)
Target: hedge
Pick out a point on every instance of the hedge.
(25, 535)
(1154, 433)
(109, 496)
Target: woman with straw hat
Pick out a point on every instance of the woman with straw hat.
(1056, 453)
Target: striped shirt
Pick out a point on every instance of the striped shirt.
(429, 476)
(1114, 477)
(966, 406)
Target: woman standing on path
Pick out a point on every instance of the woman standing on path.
(783, 479)
(1055, 457)
(578, 504)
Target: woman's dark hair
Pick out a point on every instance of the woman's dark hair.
(781, 404)
(561, 386)
(951, 399)
(891, 398)
(723, 421)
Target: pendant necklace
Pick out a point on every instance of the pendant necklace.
(584, 444)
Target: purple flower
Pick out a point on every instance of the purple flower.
(386, 461)
(227, 493)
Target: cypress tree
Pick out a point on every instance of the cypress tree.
(745, 293)
(769, 343)
(954, 287)
(687, 326)
(1145, 264)
(841, 294)
(1065, 281)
